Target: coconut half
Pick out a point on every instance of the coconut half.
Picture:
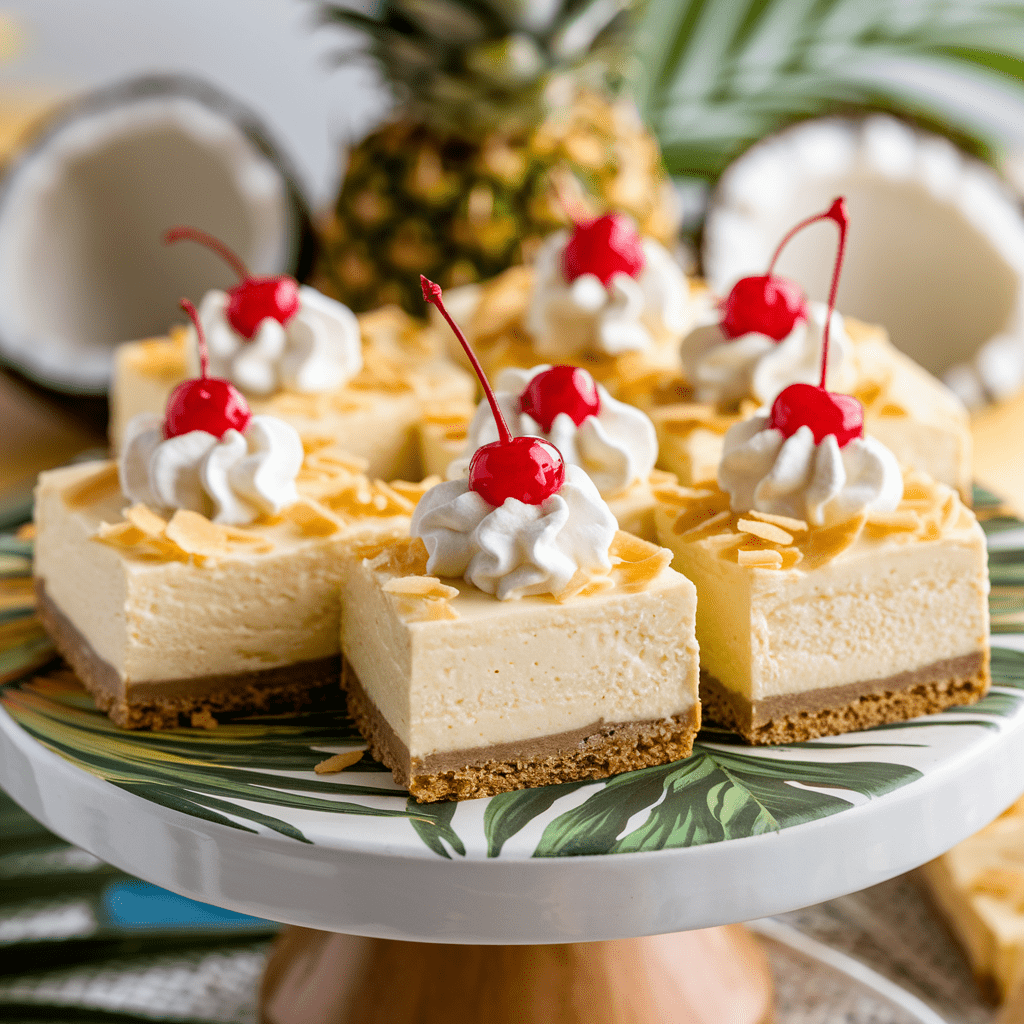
(936, 242)
(83, 210)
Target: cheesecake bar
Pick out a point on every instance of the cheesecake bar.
(808, 630)
(978, 887)
(463, 695)
(174, 619)
(374, 416)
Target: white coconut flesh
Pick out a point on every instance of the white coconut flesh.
(935, 250)
(82, 215)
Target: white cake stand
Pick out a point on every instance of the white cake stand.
(547, 893)
(729, 835)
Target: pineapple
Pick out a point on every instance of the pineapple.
(504, 108)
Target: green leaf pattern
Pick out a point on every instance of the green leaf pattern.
(257, 775)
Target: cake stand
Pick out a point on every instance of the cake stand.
(531, 905)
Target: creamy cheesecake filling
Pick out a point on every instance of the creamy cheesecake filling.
(890, 597)
(596, 751)
(513, 672)
(243, 612)
(160, 702)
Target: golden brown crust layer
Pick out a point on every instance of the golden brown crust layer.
(607, 749)
(798, 717)
(166, 704)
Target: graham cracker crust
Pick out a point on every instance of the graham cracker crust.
(828, 712)
(594, 752)
(196, 701)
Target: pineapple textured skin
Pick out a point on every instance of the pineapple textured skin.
(503, 107)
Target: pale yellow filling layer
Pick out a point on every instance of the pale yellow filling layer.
(154, 619)
(882, 606)
(519, 670)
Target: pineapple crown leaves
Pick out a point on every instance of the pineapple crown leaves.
(717, 75)
(467, 67)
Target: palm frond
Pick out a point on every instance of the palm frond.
(717, 75)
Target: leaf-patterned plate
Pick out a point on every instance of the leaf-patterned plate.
(237, 817)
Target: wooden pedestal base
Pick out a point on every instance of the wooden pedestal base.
(715, 976)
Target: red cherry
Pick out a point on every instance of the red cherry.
(256, 298)
(567, 389)
(766, 305)
(604, 247)
(529, 469)
(208, 403)
(805, 405)
(253, 299)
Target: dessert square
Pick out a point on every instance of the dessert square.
(978, 887)
(374, 416)
(914, 415)
(463, 695)
(172, 619)
(808, 630)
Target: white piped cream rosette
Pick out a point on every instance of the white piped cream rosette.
(583, 316)
(725, 371)
(516, 549)
(822, 484)
(318, 349)
(231, 480)
(616, 448)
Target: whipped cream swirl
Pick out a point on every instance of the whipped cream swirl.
(616, 448)
(516, 549)
(584, 316)
(822, 484)
(725, 370)
(319, 349)
(231, 480)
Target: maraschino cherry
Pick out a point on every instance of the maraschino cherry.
(768, 305)
(253, 299)
(567, 389)
(207, 403)
(604, 247)
(804, 405)
(529, 469)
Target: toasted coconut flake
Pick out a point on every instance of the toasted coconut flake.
(420, 586)
(689, 529)
(412, 492)
(823, 545)
(312, 519)
(339, 762)
(145, 519)
(406, 557)
(903, 520)
(93, 488)
(766, 531)
(785, 522)
(761, 558)
(27, 531)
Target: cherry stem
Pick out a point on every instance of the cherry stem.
(836, 212)
(204, 355)
(432, 294)
(197, 235)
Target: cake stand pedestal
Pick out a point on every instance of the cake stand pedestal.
(712, 976)
(594, 902)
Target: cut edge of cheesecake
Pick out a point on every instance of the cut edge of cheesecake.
(794, 718)
(593, 752)
(167, 704)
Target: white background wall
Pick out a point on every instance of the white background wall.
(268, 53)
